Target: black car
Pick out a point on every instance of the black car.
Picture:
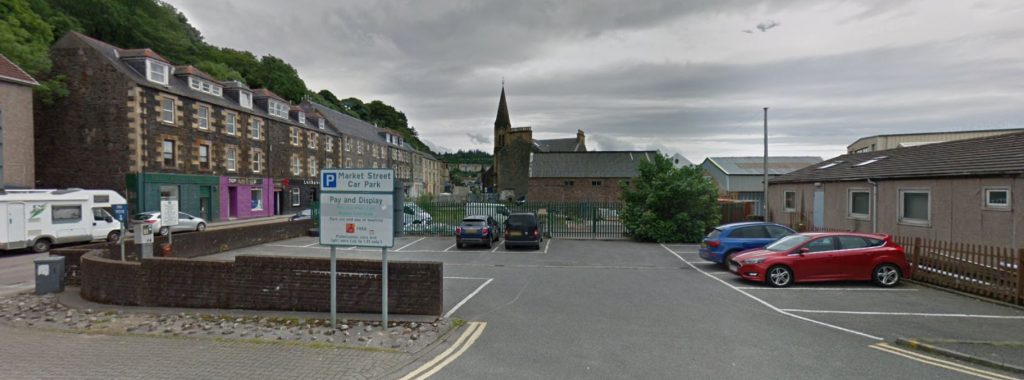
(477, 229)
(522, 229)
(306, 214)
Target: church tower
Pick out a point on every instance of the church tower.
(502, 123)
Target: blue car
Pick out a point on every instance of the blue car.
(729, 239)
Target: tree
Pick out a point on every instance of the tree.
(669, 204)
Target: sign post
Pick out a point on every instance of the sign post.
(168, 217)
(357, 209)
(121, 214)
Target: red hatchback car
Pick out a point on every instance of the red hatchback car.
(812, 257)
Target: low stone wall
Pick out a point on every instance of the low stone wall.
(264, 283)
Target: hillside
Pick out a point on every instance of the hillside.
(29, 27)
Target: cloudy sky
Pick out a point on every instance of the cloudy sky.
(686, 77)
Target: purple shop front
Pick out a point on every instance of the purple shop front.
(246, 197)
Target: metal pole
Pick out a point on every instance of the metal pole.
(334, 288)
(384, 292)
(122, 239)
(766, 164)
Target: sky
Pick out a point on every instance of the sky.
(680, 76)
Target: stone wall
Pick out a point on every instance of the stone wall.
(18, 141)
(581, 189)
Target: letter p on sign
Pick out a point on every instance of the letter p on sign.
(330, 180)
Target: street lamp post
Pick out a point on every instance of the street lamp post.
(765, 164)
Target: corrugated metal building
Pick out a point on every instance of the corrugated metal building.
(886, 142)
(743, 177)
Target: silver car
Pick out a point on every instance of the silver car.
(186, 222)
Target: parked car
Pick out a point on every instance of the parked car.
(730, 239)
(306, 214)
(478, 229)
(813, 257)
(186, 222)
(522, 229)
(414, 214)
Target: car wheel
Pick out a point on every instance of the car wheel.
(490, 243)
(886, 275)
(779, 276)
(507, 247)
(41, 245)
(536, 247)
(114, 236)
(727, 257)
(164, 231)
(201, 227)
(458, 245)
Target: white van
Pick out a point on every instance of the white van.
(495, 210)
(41, 218)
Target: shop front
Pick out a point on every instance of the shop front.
(246, 197)
(295, 194)
(198, 195)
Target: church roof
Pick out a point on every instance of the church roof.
(502, 120)
(558, 145)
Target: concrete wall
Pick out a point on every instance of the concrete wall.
(957, 210)
(19, 153)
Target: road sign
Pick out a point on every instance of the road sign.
(168, 213)
(120, 213)
(358, 180)
(357, 219)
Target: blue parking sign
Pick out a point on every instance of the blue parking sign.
(121, 213)
(330, 180)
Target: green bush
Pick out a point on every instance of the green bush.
(669, 204)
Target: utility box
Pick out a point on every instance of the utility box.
(49, 274)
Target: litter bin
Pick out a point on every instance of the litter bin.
(49, 274)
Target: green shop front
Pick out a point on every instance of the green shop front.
(196, 194)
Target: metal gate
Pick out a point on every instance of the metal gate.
(567, 220)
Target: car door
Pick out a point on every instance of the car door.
(853, 259)
(102, 223)
(186, 222)
(815, 264)
(751, 237)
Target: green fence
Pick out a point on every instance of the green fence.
(573, 220)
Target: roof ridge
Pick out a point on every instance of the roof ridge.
(30, 80)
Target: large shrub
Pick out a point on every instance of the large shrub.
(669, 204)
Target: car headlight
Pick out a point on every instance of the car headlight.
(754, 261)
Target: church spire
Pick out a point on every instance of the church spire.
(502, 121)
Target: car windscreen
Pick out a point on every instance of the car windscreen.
(787, 243)
(473, 222)
(714, 234)
(519, 221)
(143, 216)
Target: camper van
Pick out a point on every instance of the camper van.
(497, 211)
(41, 218)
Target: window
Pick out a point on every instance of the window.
(257, 126)
(348, 144)
(789, 201)
(276, 108)
(754, 232)
(348, 162)
(375, 165)
(329, 163)
(829, 165)
(229, 125)
(821, 245)
(101, 199)
(596, 183)
(568, 183)
(313, 137)
(296, 165)
(997, 198)
(852, 242)
(860, 204)
(296, 197)
(230, 158)
(329, 144)
(257, 199)
(206, 86)
(167, 110)
(777, 232)
(302, 118)
(915, 207)
(66, 214)
(359, 164)
(294, 134)
(245, 99)
(257, 157)
(871, 161)
(320, 123)
(203, 115)
(204, 156)
(169, 153)
(157, 72)
(359, 147)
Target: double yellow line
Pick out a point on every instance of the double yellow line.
(952, 366)
(460, 346)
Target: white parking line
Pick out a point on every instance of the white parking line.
(496, 248)
(310, 245)
(896, 313)
(464, 300)
(414, 242)
(468, 278)
(449, 248)
(546, 246)
(820, 288)
(770, 306)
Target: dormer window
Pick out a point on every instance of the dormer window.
(206, 86)
(157, 72)
(276, 108)
(320, 123)
(302, 118)
(245, 99)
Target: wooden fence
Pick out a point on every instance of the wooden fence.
(993, 272)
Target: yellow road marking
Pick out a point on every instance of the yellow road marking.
(457, 349)
(952, 366)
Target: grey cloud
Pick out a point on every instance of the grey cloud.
(766, 25)
(478, 138)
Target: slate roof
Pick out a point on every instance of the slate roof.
(141, 53)
(985, 156)
(755, 165)
(557, 145)
(10, 72)
(347, 124)
(176, 85)
(588, 164)
(192, 70)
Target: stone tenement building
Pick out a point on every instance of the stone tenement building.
(510, 173)
(136, 123)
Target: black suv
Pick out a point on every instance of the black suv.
(522, 229)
